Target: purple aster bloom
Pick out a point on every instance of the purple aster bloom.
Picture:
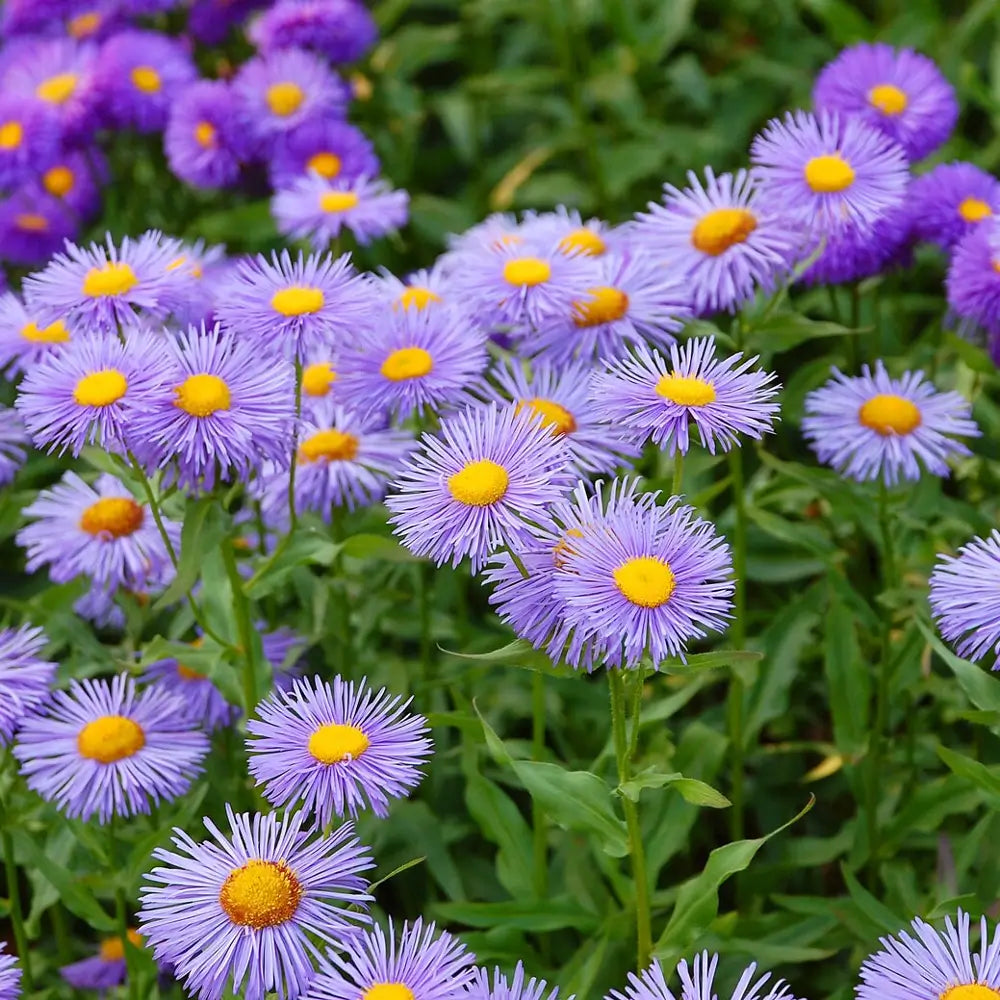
(99, 606)
(518, 988)
(246, 908)
(340, 30)
(827, 171)
(203, 703)
(933, 964)
(423, 289)
(950, 201)
(413, 361)
(188, 294)
(138, 76)
(329, 147)
(698, 983)
(30, 140)
(720, 238)
(965, 598)
(649, 398)
(319, 376)
(23, 343)
(14, 444)
(10, 976)
(874, 426)
(498, 229)
(472, 486)
(141, 8)
(296, 305)
(95, 531)
(94, 21)
(973, 281)
(898, 91)
(29, 17)
(25, 678)
(336, 748)
(75, 180)
(282, 648)
(33, 226)
(210, 21)
(316, 209)
(101, 748)
(566, 229)
(102, 971)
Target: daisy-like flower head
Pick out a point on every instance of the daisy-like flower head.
(204, 705)
(898, 91)
(498, 229)
(139, 74)
(340, 30)
(97, 531)
(102, 749)
(333, 149)
(950, 201)
(973, 282)
(316, 209)
(93, 21)
(426, 288)
(244, 909)
(282, 648)
(697, 983)
(472, 486)
(24, 344)
(933, 964)
(873, 426)
(10, 976)
(721, 238)
(651, 398)
(74, 179)
(14, 444)
(25, 678)
(319, 378)
(826, 171)
(414, 360)
(188, 294)
(296, 305)
(518, 987)
(210, 21)
(425, 964)
(33, 226)
(102, 971)
(28, 17)
(566, 229)
(337, 748)
(29, 139)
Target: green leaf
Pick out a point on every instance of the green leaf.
(398, 870)
(205, 525)
(980, 687)
(501, 821)
(691, 789)
(979, 774)
(877, 912)
(306, 545)
(382, 547)
(712, 661)
(848, 681)
(530, 915)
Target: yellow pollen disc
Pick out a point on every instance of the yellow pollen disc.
(562, 548)
(202, 395)
(970, 991)
(31, 222)
(974, 210)
(605, 305)
(57, 89)
(114, 278)
(888, 99)
(333, 743)
(721, 229)
(554, 416)
(584, 241)
(285, 98)
(684, 390)
(261, 894)
(187, 674)
(58, 181)
(83, 25)
(115, 516)
(110, 738)
(645, 581)
(338, 201)
(54, 333)
(325, 164)
(296, 301)
(11, 135)
(479, 484)
(417, 297)
(330, 446)
(113, 950)
(100, 388)
(828, 174)
(204, 134)
(146, 79)
(317, 378)
(407, 363)
(888, 415)
(388, 991)
(526, 272)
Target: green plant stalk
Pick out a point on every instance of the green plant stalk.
(293, 517)
(244, 627)
(539, 821)
(677, 484)
(737, 693)
(643, 916)
(343, 610)
(16, 911)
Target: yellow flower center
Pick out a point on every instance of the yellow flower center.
(888, 99)
(479, 484)
(554, 416)
(333, 743)
(645, 581)
(296, 301)
(285, 98)
(329, 445)
(31, 222)
(974, 210)
(58, 181)
(115, 516)
(562, 548)
(721, 229)
(204, 134)
(54, 333)
(202, 395)
(407, 363)
(325, 164)
(970, 991)
(526, 272)
(827, 174)
(146, 79)
(100, 388)
(11, 135)
(605, 305)
(584, 241)
(261, 894)
(317, 378)
(83, 25)
(187, 674)
(338, 201)
(110, 738)
(114, 278)
(57, 89)
(888, 414)
(417, 297)
(685, 390)
(113, 949)
(388, 991)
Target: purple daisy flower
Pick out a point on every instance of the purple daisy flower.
(423, 289)
(23, 343)
(827, 171)
(698, 984)
(297, 305)
(950, 200)
(102, 971)
(873, 426)
(282, 648)
(10, 976)
(648, 398)
(853, 252)
(319, 375)
(336, 748)
(101, 748)
(99, 606)
(329, 147)
(340, 30)
(496, 230)
(210, 21)
(973, 282)
(518, 988)
(722, 237)
(95, 21)
(25, 678)
(898, 91)
(14, 445)
(933, 964)
(205, 141)
(247, 907)
(28, 17)
(74, 179)
(566, 229)
(203, 703)
(472, 486)
(29, 139)
(96, 531)
(413, 361)
(188, 294)
(139, 74)
(33, 226)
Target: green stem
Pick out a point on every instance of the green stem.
(293, 517)
(16, 912)
(343, 610)
(540, 829)
(737, 693)
(244, 627)
(677, 485)
(425, 586)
